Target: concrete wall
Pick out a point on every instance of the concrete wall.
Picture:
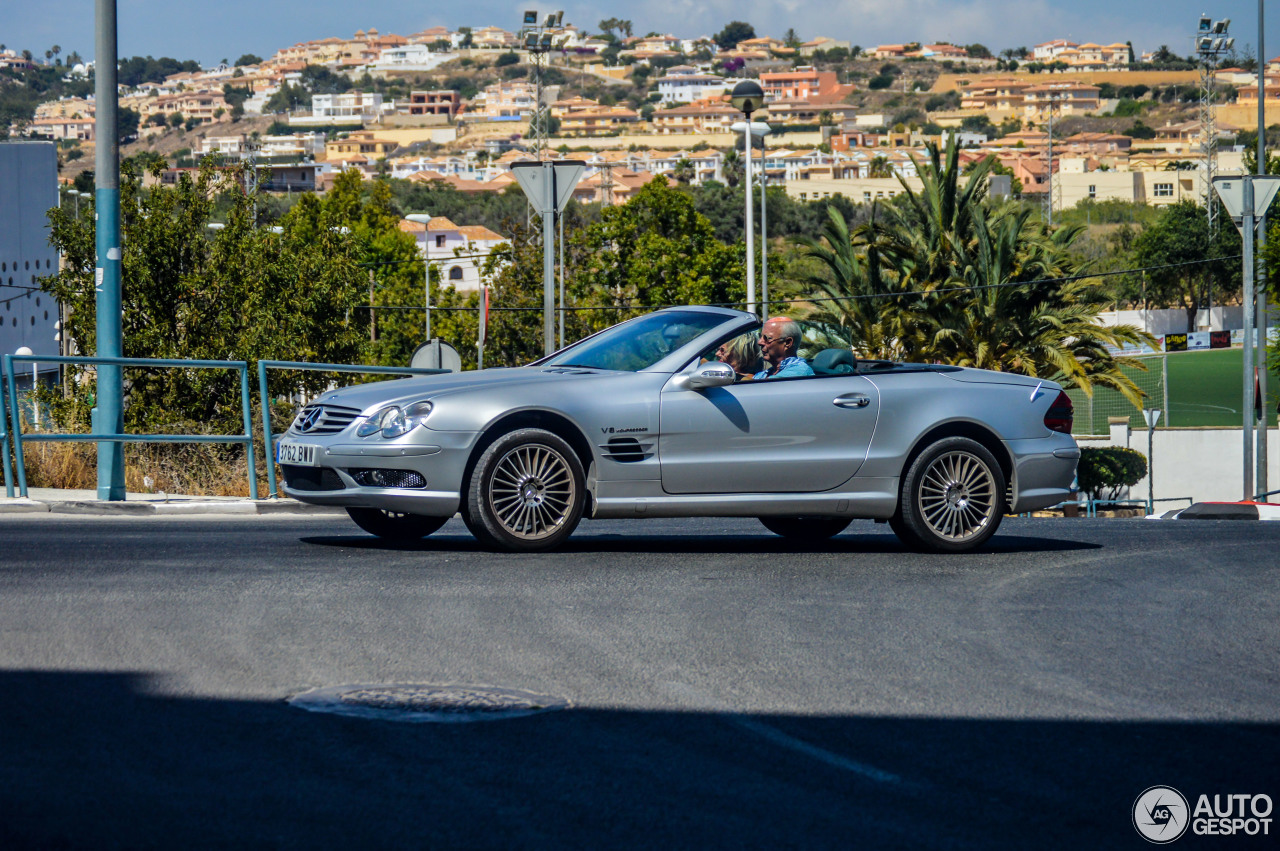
(1206, 464)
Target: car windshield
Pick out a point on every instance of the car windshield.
(639, 343)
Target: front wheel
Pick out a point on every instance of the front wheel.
(394, 525)
(806, 528)
(952, 498)
(526, 492)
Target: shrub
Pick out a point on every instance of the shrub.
(882, 81)
(1109, 470)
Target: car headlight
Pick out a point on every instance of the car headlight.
(392, 422)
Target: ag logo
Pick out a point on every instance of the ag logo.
(1160, 814)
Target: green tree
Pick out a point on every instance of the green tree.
(248, 59)
(240, 293)
(733, 33)
(1175, 246)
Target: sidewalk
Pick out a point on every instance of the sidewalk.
(54, 501)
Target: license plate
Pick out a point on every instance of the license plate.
(300, 454)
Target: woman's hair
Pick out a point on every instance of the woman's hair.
(744, 352)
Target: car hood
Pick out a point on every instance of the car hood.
(369, 397)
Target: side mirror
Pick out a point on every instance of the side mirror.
(713, 374)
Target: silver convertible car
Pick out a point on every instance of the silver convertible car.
(641, 420)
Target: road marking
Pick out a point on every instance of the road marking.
(777, 737)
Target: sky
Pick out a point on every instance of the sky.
(210, 32)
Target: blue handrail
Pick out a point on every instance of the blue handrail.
(264, 365)
(18, 437)
(4, 444)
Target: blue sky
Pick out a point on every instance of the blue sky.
(209, 32)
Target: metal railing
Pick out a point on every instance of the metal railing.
(19, 438)
(1147, 504)
(4, 443)
(264, 365)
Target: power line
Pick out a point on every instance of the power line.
(859, 297)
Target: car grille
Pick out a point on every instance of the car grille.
(311, 478)
(626, 449)
(323, 419)
(373, 478)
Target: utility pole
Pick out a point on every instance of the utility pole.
(1261, 314)
(109, 412)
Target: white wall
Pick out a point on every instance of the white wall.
(1206, 464)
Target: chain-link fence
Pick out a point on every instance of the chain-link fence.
(1093, 413)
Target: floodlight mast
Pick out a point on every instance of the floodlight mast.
(538, 40)
(1211, 44)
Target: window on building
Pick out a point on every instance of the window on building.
(455, 273)
(1093, 191)
(439, 240)
(1163, 190)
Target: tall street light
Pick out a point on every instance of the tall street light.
(424, 220)
(759, 130)
(747, 97)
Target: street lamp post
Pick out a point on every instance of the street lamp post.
(747, 97)
(423, 219)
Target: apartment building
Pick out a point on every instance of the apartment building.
(444, 102)
(685, 84)
(801, 84)
(1062, 99)
(365, 143)
(59, 129)
(203, 106)
(597, 120)
(701, 117)
(358, 106)
(510, 100)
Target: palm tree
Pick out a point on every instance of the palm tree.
(880, 167)
(943, 275)
(683, 171)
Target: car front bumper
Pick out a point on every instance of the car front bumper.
(439, 458)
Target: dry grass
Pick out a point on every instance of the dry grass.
(197, 469)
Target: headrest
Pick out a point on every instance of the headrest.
(835, 362)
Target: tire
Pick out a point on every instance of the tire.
(395, 526)
(526, 492)
(952, 498)
(806, 528)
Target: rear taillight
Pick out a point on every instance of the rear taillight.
(1060, 415)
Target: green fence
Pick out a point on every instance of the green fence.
(245, 439)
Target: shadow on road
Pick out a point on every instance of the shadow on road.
(586, 542)
(100, 760)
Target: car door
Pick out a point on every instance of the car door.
(793, 435)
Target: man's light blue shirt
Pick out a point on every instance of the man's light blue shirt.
(787, 368)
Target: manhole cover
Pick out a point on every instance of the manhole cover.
(426, 703)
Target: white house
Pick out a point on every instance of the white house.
(685, 84)
(458, 251)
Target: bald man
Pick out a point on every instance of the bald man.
(779, 340)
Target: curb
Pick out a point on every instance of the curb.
(182, 508)
(1225, 511)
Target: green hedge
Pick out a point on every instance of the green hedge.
(1110, 469)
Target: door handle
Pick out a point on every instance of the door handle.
(853, 400)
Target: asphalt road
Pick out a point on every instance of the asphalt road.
(727, 690)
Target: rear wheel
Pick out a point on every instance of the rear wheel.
(526, 493)
(394, 525)
(806, 528)
(952, 497)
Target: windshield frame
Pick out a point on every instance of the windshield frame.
(677, 358)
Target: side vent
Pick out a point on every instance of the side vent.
(627, 449)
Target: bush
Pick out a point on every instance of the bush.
(1104, 472)
(881, 81)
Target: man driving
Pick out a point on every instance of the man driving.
(779, 341)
